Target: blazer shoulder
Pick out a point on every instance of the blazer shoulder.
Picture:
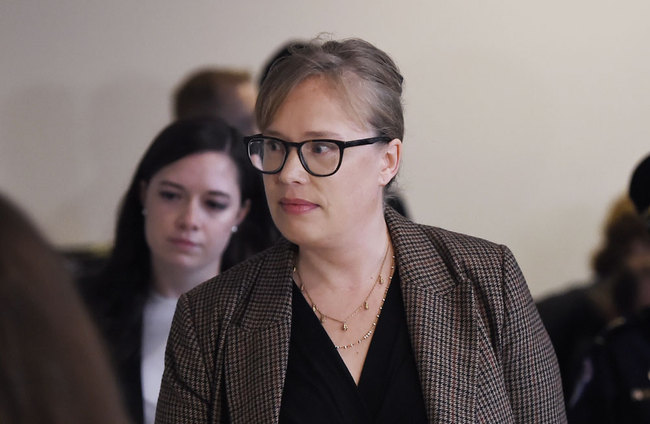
(445, 241)
(229, 288)
(465, 257)
(461, 242)
(468, 253)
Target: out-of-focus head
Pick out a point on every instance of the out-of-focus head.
(638, 261)
(193, 206)
(192, 136)
(223, 93)
(365, 78)
(623, 229)
(623, 260)
(194, 174)
(52, 365)
(640, 188)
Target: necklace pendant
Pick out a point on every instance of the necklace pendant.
(345, 326)
(365, 305)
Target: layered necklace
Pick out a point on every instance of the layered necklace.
(362, 307)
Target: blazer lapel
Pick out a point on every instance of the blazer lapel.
(257, 345)
(439, 311)
(439, 306)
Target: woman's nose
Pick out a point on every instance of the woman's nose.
(293, 171)
(189, 216)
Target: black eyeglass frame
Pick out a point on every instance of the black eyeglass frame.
(342, 145)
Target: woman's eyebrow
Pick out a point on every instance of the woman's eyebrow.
(308, 135)
(324, 134)
(219, 193)
(172, 184)
(177, 186)
(273, 133)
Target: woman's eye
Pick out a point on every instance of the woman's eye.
(216, 206)
(274, 146)
(320, 148)
(169, 195)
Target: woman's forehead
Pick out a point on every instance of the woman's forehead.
(322, 89)
(206, 167)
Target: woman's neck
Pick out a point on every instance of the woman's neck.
(348, 264)
(170, 281)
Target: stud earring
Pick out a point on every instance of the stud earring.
(234, 229)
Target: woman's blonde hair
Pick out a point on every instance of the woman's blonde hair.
(367, 79)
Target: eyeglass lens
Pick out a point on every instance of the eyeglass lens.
(319, 157)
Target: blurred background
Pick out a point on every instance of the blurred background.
(524, 119)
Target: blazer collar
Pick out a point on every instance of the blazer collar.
(419, 256)
(439, 310)
(420, 265)
(257, 340)
(439, 305)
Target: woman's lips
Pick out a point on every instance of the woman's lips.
(296, 206)
(183, 243)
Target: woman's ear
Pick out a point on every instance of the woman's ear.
(391, 157)
(243, 211)
(143, 193)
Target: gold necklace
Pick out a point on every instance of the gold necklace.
(381, 306)
(364, 305)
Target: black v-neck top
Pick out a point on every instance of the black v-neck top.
(319, 388)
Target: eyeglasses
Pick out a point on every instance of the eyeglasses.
(321, 158)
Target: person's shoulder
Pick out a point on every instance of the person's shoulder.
(450, 240)
(574, 301)
(621, 331)
(461, 241)
(230, 285)
(464, 248)
(465, 253)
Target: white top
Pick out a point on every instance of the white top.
(156, 323)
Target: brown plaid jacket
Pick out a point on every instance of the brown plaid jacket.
(482, 353)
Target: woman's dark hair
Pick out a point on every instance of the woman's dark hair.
(640, 187)
(119, 292)
(131, 255)
(620, 235)
(53, 367)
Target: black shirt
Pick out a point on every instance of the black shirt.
(319, 388)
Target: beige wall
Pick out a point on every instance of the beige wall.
(524, 119)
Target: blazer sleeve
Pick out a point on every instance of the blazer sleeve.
(185, 393)
(530, 367)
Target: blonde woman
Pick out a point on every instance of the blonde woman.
(359, 315)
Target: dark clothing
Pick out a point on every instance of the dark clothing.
(119, 319)
(319, 388)
(615, 383)
(481, 351)
(573, 320)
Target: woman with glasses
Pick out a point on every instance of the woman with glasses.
(358, 315)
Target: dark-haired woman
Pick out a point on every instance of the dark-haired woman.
(359, 315)
(189, 212)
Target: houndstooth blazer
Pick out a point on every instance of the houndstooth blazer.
(482, 353)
